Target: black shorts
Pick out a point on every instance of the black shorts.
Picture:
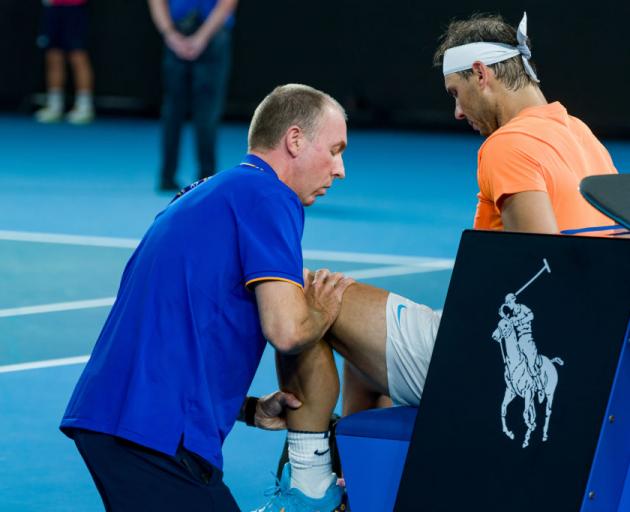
(131, 478)
(64, 27)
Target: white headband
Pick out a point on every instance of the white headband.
(461, 58)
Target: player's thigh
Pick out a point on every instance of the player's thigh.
(359, 334)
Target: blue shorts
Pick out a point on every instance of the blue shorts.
(130, 477)
(64, 27)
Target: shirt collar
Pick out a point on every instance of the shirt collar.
(259, 164)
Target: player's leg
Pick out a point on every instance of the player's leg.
(388, 340)
(308, 482)
(360, 334)
(358, 393)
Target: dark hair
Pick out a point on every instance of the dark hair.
(285, 106)
(491, 29)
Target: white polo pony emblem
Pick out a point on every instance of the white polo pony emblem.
(527, 373)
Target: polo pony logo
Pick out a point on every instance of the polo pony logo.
(527, 373)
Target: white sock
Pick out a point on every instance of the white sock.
(54, 100)
(311, 466)
(83, 101)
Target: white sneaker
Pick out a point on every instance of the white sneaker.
(80, 116)
(48, 115)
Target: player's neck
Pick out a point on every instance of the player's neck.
(514, 102)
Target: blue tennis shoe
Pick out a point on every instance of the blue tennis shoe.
(285, 498)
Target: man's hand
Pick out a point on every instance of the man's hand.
(178, 43)
(324, 291)
(271, 410)
(196, 44)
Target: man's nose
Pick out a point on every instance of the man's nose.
(340, 170)
(459, 113)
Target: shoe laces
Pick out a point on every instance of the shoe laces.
(274, 490)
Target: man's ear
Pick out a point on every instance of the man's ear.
(481, 74)
(294, 140)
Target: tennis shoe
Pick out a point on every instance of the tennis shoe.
(80, 116)
(48, 115)
(285, 498)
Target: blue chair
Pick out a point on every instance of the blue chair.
(373, 446)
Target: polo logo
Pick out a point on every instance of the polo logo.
(527, 373)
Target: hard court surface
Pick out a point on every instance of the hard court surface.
(74, 201)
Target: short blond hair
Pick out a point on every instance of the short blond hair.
(286, 106)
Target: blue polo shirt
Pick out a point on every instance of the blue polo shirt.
(183, 340)
(180, 9)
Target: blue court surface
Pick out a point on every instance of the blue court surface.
(74, 201)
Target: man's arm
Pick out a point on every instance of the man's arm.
(163, 22)
(292, 318)
(217, 18)
(528, 212)
(161, 16)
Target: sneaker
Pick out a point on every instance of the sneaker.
(80, 116)
(285, 498)
(48, 115)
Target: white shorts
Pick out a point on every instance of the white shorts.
(411, 332)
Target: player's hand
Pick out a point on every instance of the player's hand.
(271, 410)
(324, 291)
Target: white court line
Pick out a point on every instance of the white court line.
(402, 270)
(404, 265)
(33, 365)
(130, 243)
(57, 306)
(367, 273)
(52, 238)
(50, 363)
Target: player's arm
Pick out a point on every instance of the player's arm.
(528, 212)
(292, 318)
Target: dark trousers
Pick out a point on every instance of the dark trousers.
(132, 478)
(200, 86)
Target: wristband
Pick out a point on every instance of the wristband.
(250, 410)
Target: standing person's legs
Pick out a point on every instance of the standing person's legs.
(176, 83)
(55, 72)
(130, 477)
(75, 34)
(210, 73)
(82, 71)
(83, 109)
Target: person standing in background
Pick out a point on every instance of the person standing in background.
(195, 68)
(64, 33)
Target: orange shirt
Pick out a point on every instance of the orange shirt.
(542, 149)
